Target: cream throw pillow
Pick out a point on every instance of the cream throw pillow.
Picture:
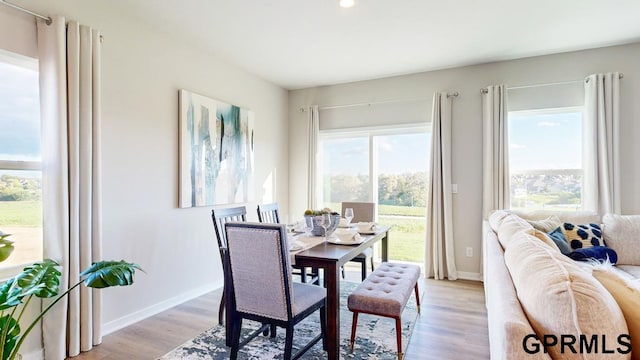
(622, 234)
(506, 225)
(626, 290)
(560, 298)
(546, 225)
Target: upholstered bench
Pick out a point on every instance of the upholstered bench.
(385, 293)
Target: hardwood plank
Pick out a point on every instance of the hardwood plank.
(453, 325)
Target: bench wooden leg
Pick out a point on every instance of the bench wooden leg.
(399, 336)
(417, 297)
(354, 324)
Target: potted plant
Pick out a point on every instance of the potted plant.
(42, 280)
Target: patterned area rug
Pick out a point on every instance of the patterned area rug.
(375, 337)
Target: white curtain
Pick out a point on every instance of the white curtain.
(601, 139)
(495, 150)
(312, 175)
(440, 249)
(70, 109)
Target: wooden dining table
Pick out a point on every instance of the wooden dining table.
(330, 257)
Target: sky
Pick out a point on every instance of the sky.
(397, 154)
(19, 113)
(545, 141)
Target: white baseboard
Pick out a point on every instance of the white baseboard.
(34, 355)
(469, 276)
(117, 324)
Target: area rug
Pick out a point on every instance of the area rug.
(375, 337)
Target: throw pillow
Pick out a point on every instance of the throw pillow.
(622, 233)
(546, 225)
(583, 235)
(598, 253)
(561, 242)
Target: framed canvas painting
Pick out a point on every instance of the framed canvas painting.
(216, 152)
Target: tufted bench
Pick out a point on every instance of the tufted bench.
(385, 292)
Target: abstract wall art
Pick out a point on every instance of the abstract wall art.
(216, 152)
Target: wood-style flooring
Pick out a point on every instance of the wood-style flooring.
(453, 325)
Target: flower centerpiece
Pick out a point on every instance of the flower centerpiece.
(316, 215)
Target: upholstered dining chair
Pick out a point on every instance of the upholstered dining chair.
(221, 217)
(261, 286)
(270, 213)
(362, 212)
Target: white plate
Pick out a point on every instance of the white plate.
(370, 232)
(295, 247)
(340, 242)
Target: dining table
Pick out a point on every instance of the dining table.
(330, 257)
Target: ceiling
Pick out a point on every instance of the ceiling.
(305, 43)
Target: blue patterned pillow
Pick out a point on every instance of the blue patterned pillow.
(558, 238)
(582, 236)
(599, 253)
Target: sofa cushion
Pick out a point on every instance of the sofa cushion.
(622, 233)
(546, 225)
(507, 224)
(582, 235)
(626, 290)
(561, 242)
(597, 253)
(561, 298)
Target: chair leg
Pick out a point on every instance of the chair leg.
(342, 269)
(354, 325)
(288, 342)
(273, 331)
(372, 266)
(363, 269)
(303, 275)
(399, 337)
(221, 310)
(417, 297)
(235, 337)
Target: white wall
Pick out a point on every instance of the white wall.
(467, 123)
(142, 72)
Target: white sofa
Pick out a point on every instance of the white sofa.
(537, 295)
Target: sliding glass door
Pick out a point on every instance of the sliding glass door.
(386, 166)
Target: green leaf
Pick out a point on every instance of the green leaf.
(104, 274)
(6, 247)
(41, 279)
(12, 334)
(10, 294)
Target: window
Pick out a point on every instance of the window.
(385, 166)
(545, 159)
(20, 158)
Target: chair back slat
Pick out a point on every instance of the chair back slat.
(221, 216)
(362, 211)
(260, 275)
(268, 213)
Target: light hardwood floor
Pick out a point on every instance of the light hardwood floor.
(453, 325)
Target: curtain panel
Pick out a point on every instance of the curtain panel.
(69, 57)
(312, 174)
(495, 150)
(440, 247)
(602, 139)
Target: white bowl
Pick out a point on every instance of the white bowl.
(344, 223)
(366, 227)
(346, 234)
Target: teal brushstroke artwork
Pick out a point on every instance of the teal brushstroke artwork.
(216, 152)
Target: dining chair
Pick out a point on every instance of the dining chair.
(270, 213)
(261, 286)
(221, 217)
(362, 212)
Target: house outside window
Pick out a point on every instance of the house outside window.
(20, 158)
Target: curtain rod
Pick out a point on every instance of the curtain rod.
(302, 109)
(484, 90)
(47, 19)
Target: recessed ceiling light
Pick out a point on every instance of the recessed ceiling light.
(347, 3)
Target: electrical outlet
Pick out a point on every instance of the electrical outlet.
(454, 188)
(469, 251)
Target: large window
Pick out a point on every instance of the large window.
(385, 166)
(545, 159)
(20, 158)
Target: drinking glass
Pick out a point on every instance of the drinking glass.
(308, 225)
(325, 222)
(348, 214)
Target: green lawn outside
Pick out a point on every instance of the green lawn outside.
(22, 213)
